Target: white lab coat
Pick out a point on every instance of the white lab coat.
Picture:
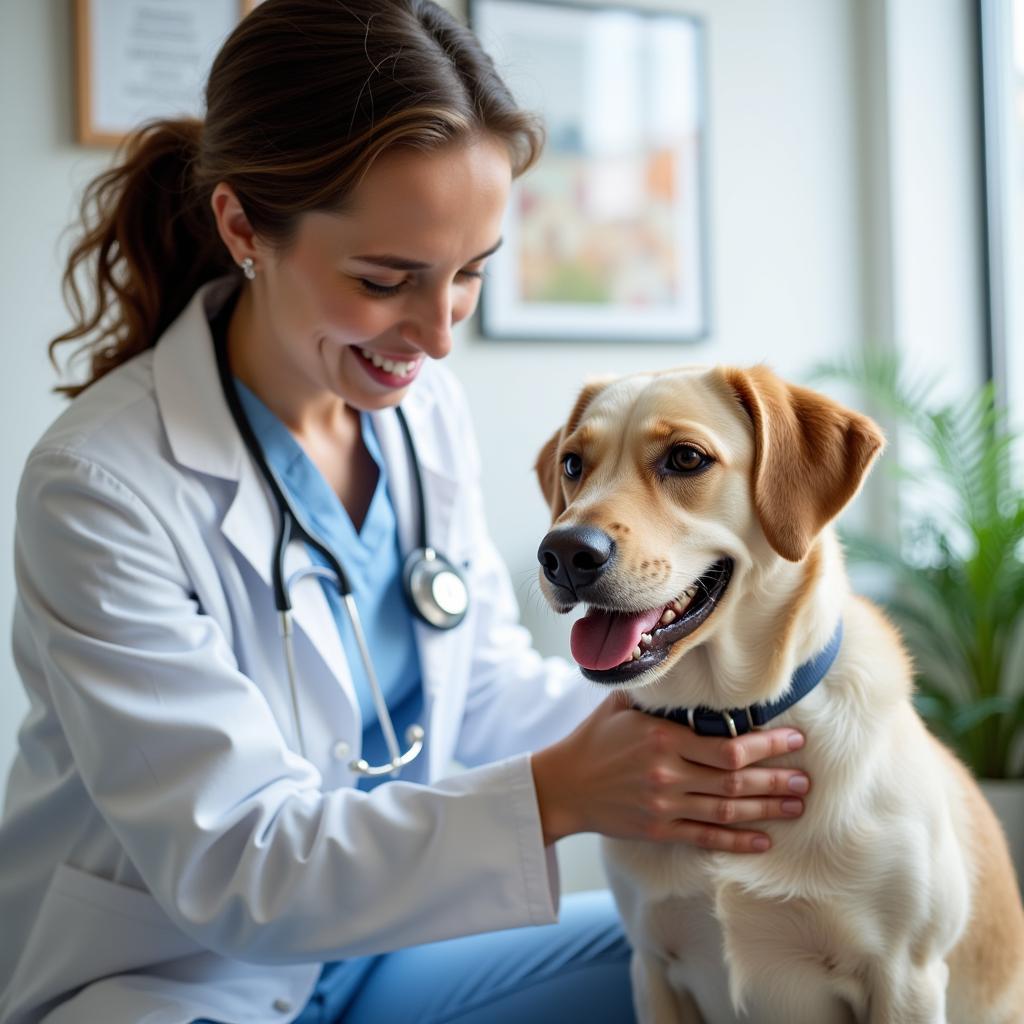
(165, 853)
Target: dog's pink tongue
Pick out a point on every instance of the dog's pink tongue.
(602, 640)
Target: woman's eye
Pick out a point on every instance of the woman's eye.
(684, 458)
(373, 288)
(572, 466)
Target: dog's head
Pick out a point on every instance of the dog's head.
(668, 490)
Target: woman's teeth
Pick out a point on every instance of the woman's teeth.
(390, 365)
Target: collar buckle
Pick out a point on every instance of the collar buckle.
(730, 722)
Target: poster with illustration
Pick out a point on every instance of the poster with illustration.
(605, 236)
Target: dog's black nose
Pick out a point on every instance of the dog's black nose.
(574, 556)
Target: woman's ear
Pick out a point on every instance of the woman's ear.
(811, 456)
(548, 466)
(232, 224)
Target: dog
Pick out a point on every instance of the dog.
(691, 514)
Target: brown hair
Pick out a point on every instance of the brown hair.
(303, 96)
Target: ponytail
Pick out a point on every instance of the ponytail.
(151, 242)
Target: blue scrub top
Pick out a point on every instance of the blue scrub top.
(372, 561)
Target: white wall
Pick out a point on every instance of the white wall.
(825, 229)
(42, 173)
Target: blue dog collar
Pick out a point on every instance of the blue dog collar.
(737, 721)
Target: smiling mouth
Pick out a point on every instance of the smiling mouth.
(614, 646)
(392, 372)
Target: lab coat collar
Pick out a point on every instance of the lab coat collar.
(202, 437)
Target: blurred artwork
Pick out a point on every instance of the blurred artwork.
(604, 237)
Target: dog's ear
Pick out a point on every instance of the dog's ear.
(547, 466)
(810, 456)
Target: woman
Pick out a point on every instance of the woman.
(186, 834)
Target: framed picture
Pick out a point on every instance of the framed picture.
(605, 238)
(139, 59)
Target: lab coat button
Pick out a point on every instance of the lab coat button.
(341, 750)
(282, 1006)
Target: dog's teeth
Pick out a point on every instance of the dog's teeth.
(645, 638)
(668, 616)
(636, 653)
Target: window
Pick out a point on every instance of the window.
(1002, 38)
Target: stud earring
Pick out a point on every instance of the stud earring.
(248, 269)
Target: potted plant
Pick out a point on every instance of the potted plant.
(955, 578)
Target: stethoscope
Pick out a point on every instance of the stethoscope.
(433, 586)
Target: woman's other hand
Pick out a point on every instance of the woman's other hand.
(632, 775)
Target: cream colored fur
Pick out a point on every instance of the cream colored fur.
(892, 899)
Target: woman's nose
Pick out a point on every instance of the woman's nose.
(429, 325)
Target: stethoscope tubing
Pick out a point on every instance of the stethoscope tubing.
(292, 526)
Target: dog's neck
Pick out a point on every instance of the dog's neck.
(780, 619)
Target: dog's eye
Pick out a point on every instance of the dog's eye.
(572, 466)
(684, 458)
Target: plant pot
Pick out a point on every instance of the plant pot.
(1007, 799)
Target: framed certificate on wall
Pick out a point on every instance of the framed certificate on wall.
(140, 59)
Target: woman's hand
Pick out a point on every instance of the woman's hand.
(628, 774)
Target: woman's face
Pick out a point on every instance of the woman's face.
(360, 299)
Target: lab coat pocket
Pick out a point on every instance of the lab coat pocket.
(89, 927)
(91, 892)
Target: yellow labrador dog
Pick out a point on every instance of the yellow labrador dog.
(691, 513)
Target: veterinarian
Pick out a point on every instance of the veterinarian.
(257, 621)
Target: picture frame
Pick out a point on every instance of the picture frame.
(606, 237)
(140, 59)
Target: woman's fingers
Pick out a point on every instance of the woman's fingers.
(714, 837)
(746, 782)
(723, 811)
(735, 753)
(722, 793)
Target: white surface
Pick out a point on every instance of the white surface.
(797, 222)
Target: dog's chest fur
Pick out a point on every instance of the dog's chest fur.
(794, 962)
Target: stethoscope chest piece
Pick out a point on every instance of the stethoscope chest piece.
(435, 588)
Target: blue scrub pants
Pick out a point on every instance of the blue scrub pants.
(577, 969)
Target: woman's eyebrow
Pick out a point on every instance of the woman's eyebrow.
(401, 263)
